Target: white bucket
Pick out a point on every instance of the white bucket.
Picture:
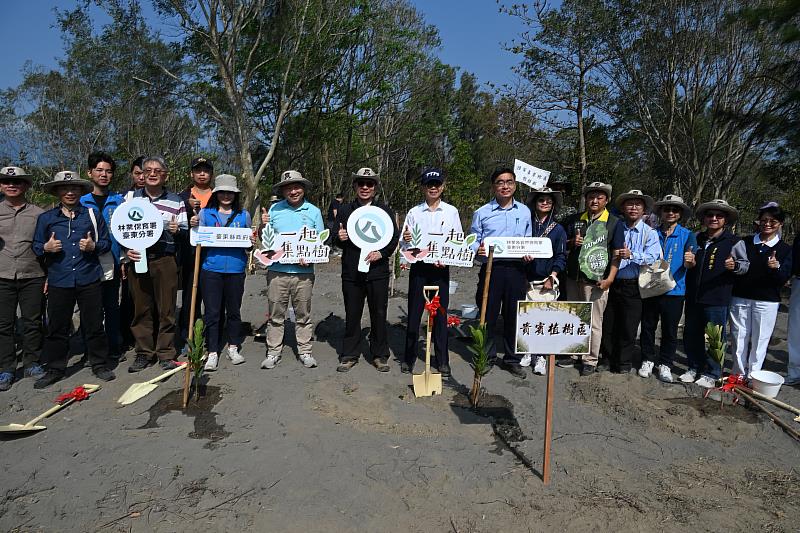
(469, 311)
(453, 287)
(766, 382)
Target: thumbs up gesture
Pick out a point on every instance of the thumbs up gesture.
(86, 244)
(406, 234)
(730, 264)
(172, 226)
(264, 216)
(624, 252)
(343, 233)
(772, 262)
(688, 259)
(53, 245)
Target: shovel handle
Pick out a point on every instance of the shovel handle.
(59, 406)
(168, 373)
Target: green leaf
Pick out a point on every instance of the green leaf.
(323, 236)
(471, 238)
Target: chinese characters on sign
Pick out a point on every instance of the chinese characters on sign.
(448, 248)
(554, 327)
(136, 230)
(536, 178)
(306, 244)
(215, 237)
(519, 247)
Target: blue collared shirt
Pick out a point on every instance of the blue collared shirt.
(643, 243)
(491, 220)
(70, 267)
(284, 218)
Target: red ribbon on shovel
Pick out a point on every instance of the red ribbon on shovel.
(78, 393)
(433, 306)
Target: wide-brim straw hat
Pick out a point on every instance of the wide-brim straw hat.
(366, 173)
(16, 173)
(676, 201)
(288, 177)
(558, 198)
(598, 186)
(67, 177)
(731, 213)
(225, 182)
(636, 194)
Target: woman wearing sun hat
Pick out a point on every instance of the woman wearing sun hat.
(222, 273)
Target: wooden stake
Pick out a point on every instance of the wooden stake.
(187, 379)
(486, 285)
(774, 418)
(548, 418)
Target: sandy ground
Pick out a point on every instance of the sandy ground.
(293, 449)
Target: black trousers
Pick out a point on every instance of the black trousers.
(667, 309)
(376, 293)
(27, 293)
(60, 304)
(222, 294)
(126, 314)
(424, 274)
(507, 286)
(620, 323)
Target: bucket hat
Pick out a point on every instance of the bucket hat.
(16, 173)
(366, 173)
(67, 177)
(636, 194)
(674, 200)
(731, 213)
(598, 186)
(225, 182)
(291, 176)
(558, 198)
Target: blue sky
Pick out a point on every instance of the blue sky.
(471, 32)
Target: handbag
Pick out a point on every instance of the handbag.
(656, 279)
(106, 259)
(537, 292)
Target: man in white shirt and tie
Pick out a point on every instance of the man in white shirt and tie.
(431, 216)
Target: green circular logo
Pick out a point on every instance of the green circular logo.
(371, 229)
(135, 214)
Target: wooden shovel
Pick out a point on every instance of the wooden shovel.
(427, 383)
(138, 391)
(187, 378)
(31, 425)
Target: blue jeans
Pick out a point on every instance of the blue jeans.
(694, 342)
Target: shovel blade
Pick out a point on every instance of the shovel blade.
(427, 384)
(20, 428)
(136, 392)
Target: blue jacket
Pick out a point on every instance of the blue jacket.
(539, 269)
(112, 202)
(224, 260)
(70, 267)
(673, 247)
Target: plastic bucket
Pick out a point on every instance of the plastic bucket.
(766, 382)
(453, 287)
(469, 311)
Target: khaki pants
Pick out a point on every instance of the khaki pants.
(282, 289)
(580, 291)
(154, 294)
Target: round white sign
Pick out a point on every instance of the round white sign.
(137, 224)
(370, 228)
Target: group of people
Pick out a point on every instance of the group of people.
(52, 260)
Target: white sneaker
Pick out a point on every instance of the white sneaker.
(212, 362)
(664, 373)
(688, 377)
(270, 361)
(706, 382)
(308, 360)
(235, 357)
(541, 366)
(526, 360)
(646, 370)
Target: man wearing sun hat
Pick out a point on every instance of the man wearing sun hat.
(70, 240)
(677, 248)
(291, 283)
(624, 309)
(21, 277)
(720, 257)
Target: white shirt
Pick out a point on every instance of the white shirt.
(442, 219)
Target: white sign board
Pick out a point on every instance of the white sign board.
(563, 328)
(536, 178)
(447, 248)
(519, 247)
(137, 225)
(291, 247)
(369, 228)
(220, 237)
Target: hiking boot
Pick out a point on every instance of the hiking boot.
(565, 362)
(34, 371)
(50, 377)
(270, 361)
(212, 363)
(168, 364)
(526, 360)
(6, 379)
(792, 382)
(104, 374)
(689, 376)
(345, 366)
(706, 382)
(646, 370)
(664, 373)
(588, 370)
(308, 360)
(541, 366)
(444, 370)
(516, 371)
(405, 368)
(140, 363)
(381, 365)
(234, 356)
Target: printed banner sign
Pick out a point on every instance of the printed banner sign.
(289, 248)
(536, 178)
(369, 228)
(519, 247)
(219, 237)
(563, 328)
(447, 248)
(593, 257)
(137, 224)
